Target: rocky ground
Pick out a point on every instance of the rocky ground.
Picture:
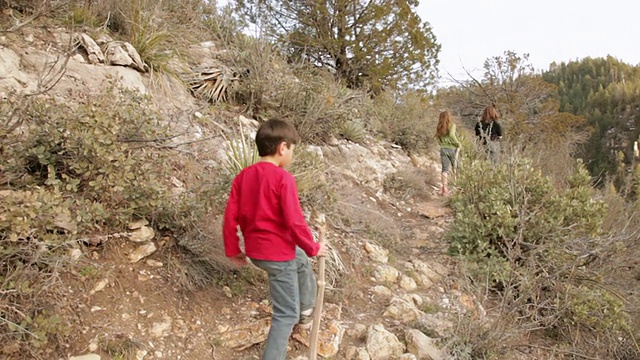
(381, 311)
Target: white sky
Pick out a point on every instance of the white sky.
(471, 31)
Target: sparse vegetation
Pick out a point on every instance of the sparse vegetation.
(553, 257)
(88, 168)
(315, 190)
(405, 119)
(120, 346)
(409, 183)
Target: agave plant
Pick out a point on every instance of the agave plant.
(242, 152)
(355, 131)
(211, 83)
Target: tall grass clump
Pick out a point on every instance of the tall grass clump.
(315, 190)
(149, 26)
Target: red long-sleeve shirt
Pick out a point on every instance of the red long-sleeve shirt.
(264, 202)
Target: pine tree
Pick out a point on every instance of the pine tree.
(374, 43)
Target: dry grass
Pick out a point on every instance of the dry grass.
(120, 346)
(268, 86)
(315, 190)
(410, 183)
(202, 262)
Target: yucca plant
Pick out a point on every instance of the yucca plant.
(211, 83)
(242, 152)
(354, 131)
(150, 45)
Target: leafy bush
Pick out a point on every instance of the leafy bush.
(97, 152)
(35, 225)
(404, 119)
(310, 171)
(35, 213)
(76, 170)
(515, 203)
(536, 245)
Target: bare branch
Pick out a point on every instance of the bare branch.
(47, 7)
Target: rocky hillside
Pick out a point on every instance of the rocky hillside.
(113, 180)
(391, 291)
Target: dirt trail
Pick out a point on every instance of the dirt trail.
(141, 307)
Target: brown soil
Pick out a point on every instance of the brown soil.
(139, 297)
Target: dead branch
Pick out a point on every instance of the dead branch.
(52, 72)
(138, 140)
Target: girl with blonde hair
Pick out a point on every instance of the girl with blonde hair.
(449, 147)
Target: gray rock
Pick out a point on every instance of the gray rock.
(86, 357)
(382, 344)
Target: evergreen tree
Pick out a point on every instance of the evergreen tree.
(607, 92)
(373, 43)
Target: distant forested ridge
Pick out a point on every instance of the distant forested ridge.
(606, 92)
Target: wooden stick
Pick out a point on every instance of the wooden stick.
(317, 313)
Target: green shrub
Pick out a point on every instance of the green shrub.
(34, 213)
(354, 131)
(71, 170)
(535, 244)
(515, 203)
(103, 153)
(404, 119)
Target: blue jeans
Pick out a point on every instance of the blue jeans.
(293, 288)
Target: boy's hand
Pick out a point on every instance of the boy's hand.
(322, 251)
(239, 260)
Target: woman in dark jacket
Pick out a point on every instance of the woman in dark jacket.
(489, 132)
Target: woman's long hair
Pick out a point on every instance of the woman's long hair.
(444, 124)
(490, 113)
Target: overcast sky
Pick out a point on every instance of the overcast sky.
(548, 30)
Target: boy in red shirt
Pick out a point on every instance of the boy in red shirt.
(264, 203)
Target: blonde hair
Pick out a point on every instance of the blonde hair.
(444, 124)
(490, 113)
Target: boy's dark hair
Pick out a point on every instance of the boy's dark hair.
(271, 133)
